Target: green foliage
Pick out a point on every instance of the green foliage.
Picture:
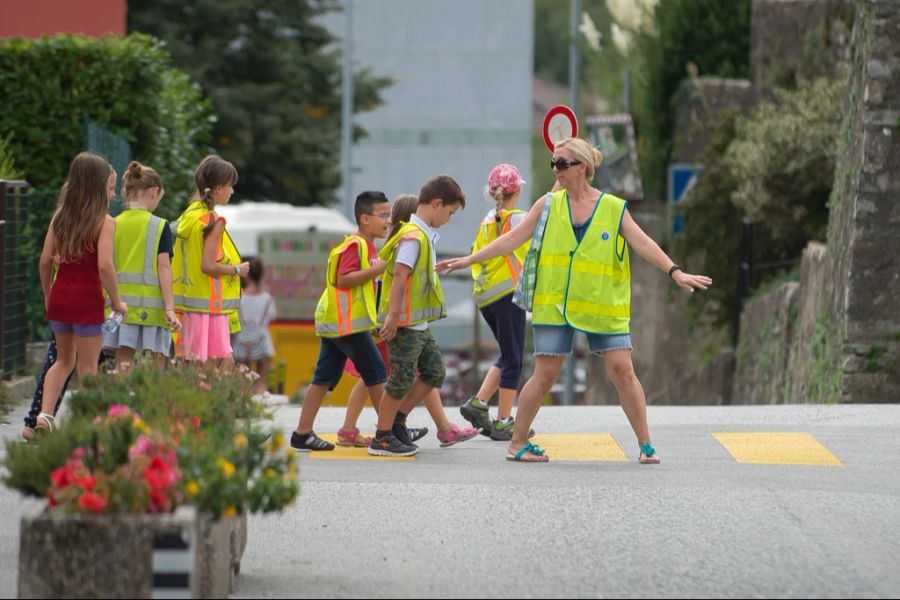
(776, 166)
(785, 152)
(714, 36)
(275, 84)
(7, 164)
(126, 84)
(823, 374)
(6, 400)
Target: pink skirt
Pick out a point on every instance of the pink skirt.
(203, 336)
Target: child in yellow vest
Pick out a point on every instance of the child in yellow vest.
(410, 298)
(345, 317)
(448, 433)
(206, 266)
(494, 283)
(143, 248)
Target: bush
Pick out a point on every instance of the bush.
(126, 84)
(776, 167)
(167, 436)
(7, 164)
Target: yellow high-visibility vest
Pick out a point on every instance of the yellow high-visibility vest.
(586, 285)
(345, 311)
(423, 299)
(194, 290)
(135, 251)
(497, 277)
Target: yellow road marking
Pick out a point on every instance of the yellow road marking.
(342, 453)
(777, 448)
(581, 446)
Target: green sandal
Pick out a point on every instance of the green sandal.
(528, 449)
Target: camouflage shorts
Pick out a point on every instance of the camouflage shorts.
(411, 350)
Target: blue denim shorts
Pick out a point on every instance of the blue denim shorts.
(79, 330)
(553, 340)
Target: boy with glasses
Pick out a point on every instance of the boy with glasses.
(345, 317)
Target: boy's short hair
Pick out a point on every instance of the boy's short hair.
(443, 187)
(366, 201)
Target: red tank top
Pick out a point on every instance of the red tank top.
(76, 295)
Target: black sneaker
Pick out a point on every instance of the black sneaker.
(309, 442)
(403, 434)
(416, 433)
(389, 445)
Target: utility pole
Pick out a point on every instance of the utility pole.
(347, 111)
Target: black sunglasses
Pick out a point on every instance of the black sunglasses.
(562, 164)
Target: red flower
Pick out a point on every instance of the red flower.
(92, 502)
(195, 421)
(61, 476)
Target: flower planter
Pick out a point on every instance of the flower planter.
(181, 554)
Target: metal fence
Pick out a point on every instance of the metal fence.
(14, 277)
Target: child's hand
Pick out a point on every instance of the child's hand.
(245, 269)
(389, 329)
(121, 308)
(378, 264)
(172, 319)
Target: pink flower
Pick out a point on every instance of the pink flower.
(142, 446)
(206, 386)
(118, 410)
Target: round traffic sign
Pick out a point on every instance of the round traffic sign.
(559, 124)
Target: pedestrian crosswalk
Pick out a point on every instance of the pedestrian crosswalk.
(770, 448)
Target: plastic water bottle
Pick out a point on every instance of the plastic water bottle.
(112, 322)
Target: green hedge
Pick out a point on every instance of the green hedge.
(126, 84)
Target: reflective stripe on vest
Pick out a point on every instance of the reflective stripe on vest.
(423, 297)
(496, 277)
(135, 252)
(341, 311)
(584, 284)
(194, 290)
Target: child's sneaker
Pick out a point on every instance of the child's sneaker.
(416, 433)
(502, 429)
(309, 442)
(455, 435)
(476, 412)
(389, 445)
(352, 438)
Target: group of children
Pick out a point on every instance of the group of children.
(175, 285)
(373, 319)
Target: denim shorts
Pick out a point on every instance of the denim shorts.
(79, 330)
(358, 347)
(553, 340)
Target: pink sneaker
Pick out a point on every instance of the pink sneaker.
(455, 435)
(352, 438)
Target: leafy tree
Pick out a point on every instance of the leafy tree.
(775, 167)
(712, 35)
(275, 85)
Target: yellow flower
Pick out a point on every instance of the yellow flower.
(229, 511)
(227, 467)
(192, 489)
(240, 441)
(276, 443)
(141, 426)
(292, 469)
(271, 473)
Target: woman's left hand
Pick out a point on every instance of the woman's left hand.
(691, 282)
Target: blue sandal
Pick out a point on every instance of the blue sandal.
(528, 449)
(648, 455)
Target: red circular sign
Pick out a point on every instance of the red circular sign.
(559, 124)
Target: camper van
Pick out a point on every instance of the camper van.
(293, 243)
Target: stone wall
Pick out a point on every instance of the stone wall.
(761, 373)
(698, 103)
(864, 230)
(793, 40)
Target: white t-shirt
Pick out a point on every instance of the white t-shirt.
(408, 254)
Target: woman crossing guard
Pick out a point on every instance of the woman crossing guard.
(583, 282)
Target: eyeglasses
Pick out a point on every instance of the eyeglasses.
(385, 216)
(561, 164)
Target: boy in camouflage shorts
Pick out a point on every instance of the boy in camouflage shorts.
(411, 298)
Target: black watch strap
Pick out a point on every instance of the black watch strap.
(674, 268)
